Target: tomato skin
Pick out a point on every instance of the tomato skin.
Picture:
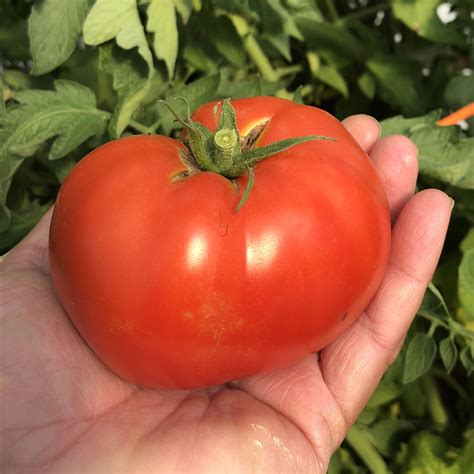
(171, 287)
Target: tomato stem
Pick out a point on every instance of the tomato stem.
(227, 145)
(221, 151)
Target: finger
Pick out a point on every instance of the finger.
(32, 252)
(395, 158)
(353, 365)
(364, 128)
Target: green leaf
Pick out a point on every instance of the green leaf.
(226, 40)
(202, 55)
(290, 28)
(445, 278)
(343, 463)
(278, 25)
(366, 84)
(14, 39)
(465, 459)
(439, 297)
(127, 105)
(399, 80)
(326, 36)
(459, 91)
(184, 8)
(2, 96)
(331, 76)
(386, 434)
(54, 28)
(374, 41)
(22, 221)
(61, 168)
(119, 20)
(367, 416)
(442, 153)
(385, 393)
(68, 115)
(449, 353)
(18, 80)
(200, 91)
(298, 96)
(464, 203)
(467, 358)
(421, 17)
(420, 355)
(468, 242)
(129, 81)
(162, 22)
(425, 454)
(308, 9)
(466, 286)
(413, 400)
(249, 87)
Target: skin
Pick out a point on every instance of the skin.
(63, 411)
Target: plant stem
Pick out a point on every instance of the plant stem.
(154, 126)
(313, 62)
(363, 446)
(288, 70)
(432, 329)
(441, 374)
(306, 90)
(253, 49)
(362, 13)
(226, 141)
(284, 94)
(450, 324)
(331, 10)
(139, 127)
(434, 402)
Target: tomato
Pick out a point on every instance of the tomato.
(172, 287)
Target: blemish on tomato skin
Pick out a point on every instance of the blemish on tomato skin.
(119, 325)
(224, 227)
(344, 316)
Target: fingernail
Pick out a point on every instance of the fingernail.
(452, 202)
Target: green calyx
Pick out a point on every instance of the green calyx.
(223, 151)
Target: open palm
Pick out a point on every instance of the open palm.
(63, 411)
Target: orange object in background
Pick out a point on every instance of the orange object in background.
(462, 114)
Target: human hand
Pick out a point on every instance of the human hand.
(63, 411)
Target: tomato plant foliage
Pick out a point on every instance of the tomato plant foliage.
(77, 73)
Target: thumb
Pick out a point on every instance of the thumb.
(32, 252)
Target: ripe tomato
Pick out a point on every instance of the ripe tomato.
(171, 287)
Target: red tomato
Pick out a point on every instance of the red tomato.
(171, 287)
